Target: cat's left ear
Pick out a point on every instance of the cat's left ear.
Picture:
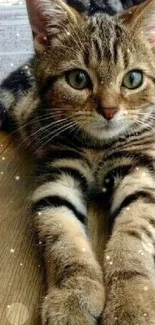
(141, 19)
(50, 21)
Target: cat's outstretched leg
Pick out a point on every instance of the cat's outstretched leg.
(74, 279)
(129, 258)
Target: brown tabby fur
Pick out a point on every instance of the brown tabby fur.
(107, 48)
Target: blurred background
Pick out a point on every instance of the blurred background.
(15, 36)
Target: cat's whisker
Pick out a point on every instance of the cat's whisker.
(45, 128)
(52, 125)
(21, 127)
(53, 135)
(39, 120)
(26, 138)
(144, 124)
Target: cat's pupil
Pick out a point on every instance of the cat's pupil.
(132, 78)
(80, 78)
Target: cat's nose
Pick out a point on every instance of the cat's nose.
(108, 113)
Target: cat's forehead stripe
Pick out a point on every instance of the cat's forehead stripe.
(107, 40)
(98, 49)
(104, 38)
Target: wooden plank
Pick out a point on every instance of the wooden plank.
(20, 268)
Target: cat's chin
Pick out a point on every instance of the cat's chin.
(106, 133)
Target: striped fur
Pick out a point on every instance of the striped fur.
(83, 160)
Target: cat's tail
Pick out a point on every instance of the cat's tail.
(12, 89)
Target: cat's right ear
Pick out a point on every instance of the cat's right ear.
(141, 19)
(50, 20)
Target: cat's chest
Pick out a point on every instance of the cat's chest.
(111, 164)
(94, 158)
(102, 165)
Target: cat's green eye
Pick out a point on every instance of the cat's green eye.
(133, 79)
(78, 79)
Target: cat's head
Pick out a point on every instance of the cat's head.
(97, 73)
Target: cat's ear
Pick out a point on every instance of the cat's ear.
(49, 20)
(141, 19)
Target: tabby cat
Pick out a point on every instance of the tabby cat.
(88, 119)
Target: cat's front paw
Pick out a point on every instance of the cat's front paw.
(132, 304)
(78, 302)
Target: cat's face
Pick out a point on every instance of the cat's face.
(101, 74)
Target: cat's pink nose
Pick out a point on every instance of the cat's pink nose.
(108, 113)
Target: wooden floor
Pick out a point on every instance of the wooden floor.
(20, 268)
(21, 275)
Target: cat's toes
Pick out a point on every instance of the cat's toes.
(75, 304)
(133, 304)
(123, 317)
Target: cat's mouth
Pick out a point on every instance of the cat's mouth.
(106, 129)
(107, 126)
